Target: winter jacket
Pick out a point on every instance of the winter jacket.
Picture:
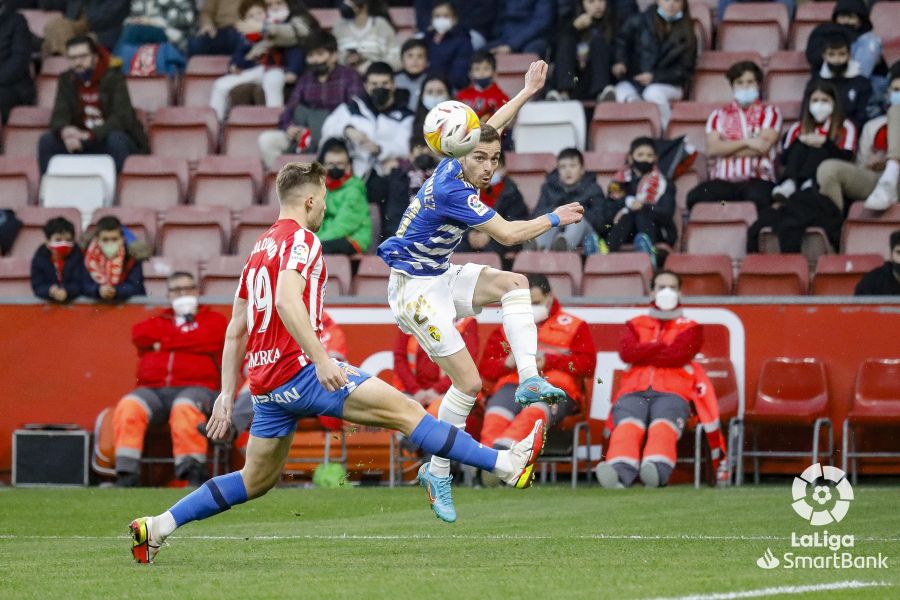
(523, 21)
(879, 282)
(115, 103)
(450, 58)
(188, 355)
(671, 58)
(347, 215)
(659, 197)
(44, 275)
(175, 17)
(815, 45)
(15, 54)
(104, 17)
(293, 32)
(854, 90)
(376, 42)
(586, 192)
(133, 285)
(477, 15)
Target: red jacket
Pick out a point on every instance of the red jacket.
(484, 102)
(414, 371)
(187, 355)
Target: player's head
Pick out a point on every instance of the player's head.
(541, 296)
(301, 189)
(482, 68)
(414, 56)
(570, 165)
(665, 290)
(478, 166)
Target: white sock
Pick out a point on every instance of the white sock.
(504, 467)
(891, 171)
(163, 526)
(518, 324)
(454, 409)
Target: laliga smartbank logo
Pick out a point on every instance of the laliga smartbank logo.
(822, 495)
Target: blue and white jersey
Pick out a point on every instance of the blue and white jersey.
(433, 224)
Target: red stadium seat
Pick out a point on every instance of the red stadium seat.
(791, 392)
(786, 76)
(182, 132)
(838, 274)
(511, 69)
(271, 196)
(404, 18)
(245, 123)
(153, 181)
(721, 374)
(759, 12)
(614, 125)
(32, 233)
(230, 181)
(149, 93)
(617, 275)
(689, 119)
(46, 82)
(490, 259)
(19, 181)
(326, 17)
(529, 172)
(141, 221)
(605, 165)
(25, 126)
(702, 274)
(740, 36)
(770, 275)
(867, 231)
(891, 51)
(158, 268)
(885, 16)
(702, 16)
(340, 275)
(371, 278)
(220, 274)
(563, 269)
(709, 83)
(38, 19)
(199, 76)
(875, 403)
(720, 228)
(252, 222)
(194, 232)
(15, 276)
(808, 16)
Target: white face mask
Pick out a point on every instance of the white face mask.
(541, 312)
(820, 110)
(666, 299)
(430, 101)
(442, 24)
(185, 305)
(278, 15)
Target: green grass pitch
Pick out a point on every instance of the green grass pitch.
(547, 542)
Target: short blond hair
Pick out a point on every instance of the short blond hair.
(296, 174)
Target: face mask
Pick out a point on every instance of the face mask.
(185, 305)
(676, 17)
(541, 312)
(425, 162)
(641, 166)
(483, 82)
(62, 249)
(894, 97)
(381, 97)
(317, 68)
(430, 102)
(335, 173)
(838, 68)
(346, 11)
(109, 249)
(278, 15)
(86, 75)
(820, 110)
(746, 96)
(666, 299)
(442, 24)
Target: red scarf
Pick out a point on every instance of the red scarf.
(106, 271)
(491, 194)
(89, 93)
(651, 186)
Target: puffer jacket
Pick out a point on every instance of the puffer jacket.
(647, 44)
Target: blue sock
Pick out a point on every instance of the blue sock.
(445, 440)
(215, 496)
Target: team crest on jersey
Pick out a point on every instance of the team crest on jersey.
(300, 253)
(349, 369)
(477, 205)
(435, 333)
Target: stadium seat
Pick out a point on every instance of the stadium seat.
(615, 125)
(563, 269)
(703, 28)
(38, 19)
(18, 181)
(251, 223)
(529, 172)
(491, 259)
(326, 17)
(550, 127)
(807, 17)
(786, 76)
(271, 195)
(32, 233)
(790, 392)
(46, 82)
(25, 126)
(182, 132)
(891, 51)
(617, 275)
(867, 231)
(195, 232)
(220, 274)
(15, 276)
(153, 181)
(709, 83)
(245, 123)
(720, 372)
(604, 164)
(149, 93)
(702, 274)
(158, 268)
(770, 275)
(199, 75)
(875, 403)
(511, 69)
(689, 119)
(759, 12)
(720, 228)
(84, 181)
(790, 113)
(885, 16)
(739, 36)
(371, 278)
(141, 221)
(340, 275)
(404, 18)
(838, 274)
(229, 181)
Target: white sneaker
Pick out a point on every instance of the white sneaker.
(524, 454)
(883, 196)
(785, 189)
(649, 475)
(608, 477)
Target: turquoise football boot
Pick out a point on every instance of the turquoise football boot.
(438, 490)
(538, 389)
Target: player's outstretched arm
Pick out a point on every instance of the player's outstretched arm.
(232, 358)
(293, 313)
(534, 83)
(511, 233)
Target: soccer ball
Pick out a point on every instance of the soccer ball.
(452, 129)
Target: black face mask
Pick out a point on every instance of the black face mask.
(642, 167)
(346, 11)
(335, 173)
(838, 68)
(381, 97)
(317, 68)
(86, 75)
(483, 82)
(425, 162)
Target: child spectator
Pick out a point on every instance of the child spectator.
(16, 84)
(287, 25)
(111, 272)
(347, 226)
(365, 35)
(217, 34)
(57, 266)
(584, 53)
(655, 56)
(434, 91)
(449, 46)
(477, 16)
(484, 96)
(504, 197)
(853, 88)
(850, 17)
(414, 61)
(523, 26)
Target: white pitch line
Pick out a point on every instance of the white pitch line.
(784, 590)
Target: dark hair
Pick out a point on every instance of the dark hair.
(808, 124)
(571, 153)
(333, 145)
(836, 40)
(377, 8)
(641, 141)
(82, 39)
(607, 23)
(321, 40)
(413, 43)
(295, 174)
(179, 274)
(539, 281)
(894, 72)
(895, 239)
(248, 4)
(109, 223)
(658, 274)
(58, 225)
(483, 56)
(489, 134)
(417, 140)
(736, 70)
(379, 68)
(297, 8)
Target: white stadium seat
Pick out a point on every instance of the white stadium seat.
(550, 127)
(86, 182)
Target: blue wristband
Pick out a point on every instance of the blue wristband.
(554, 220)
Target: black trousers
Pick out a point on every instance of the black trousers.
(806, 208)
(588, 83)
(338, 246)
(645, 220)
(117, 144)
(802, 161)
(757, 191)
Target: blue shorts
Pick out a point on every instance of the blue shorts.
(275, 414)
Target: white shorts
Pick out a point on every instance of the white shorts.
(427, 307)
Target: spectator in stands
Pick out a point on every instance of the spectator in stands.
(269, 68)
(347, 226)
(92, 112)
(217, 34)
(566, 357)
(742, 139)
(178, 374)
(484, 96)
(851, 18)
(159, 21)
(504, 197)
(323, 87)
(366, 35)
(414, 69)
(434, 91)
(842, 72)
(656, 51)
(523, 26)
(569, 182)
(58, 264)
(112, 273)
(584, 54)
(873, 177)
(885, 280)
(375, 124)
(16, 84)
(654, 392)
(102, 18)
(477, 16)
(449, 45)
(404, 181)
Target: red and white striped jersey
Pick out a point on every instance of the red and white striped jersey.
(734, 123)
(274, 356)
(846, 139)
